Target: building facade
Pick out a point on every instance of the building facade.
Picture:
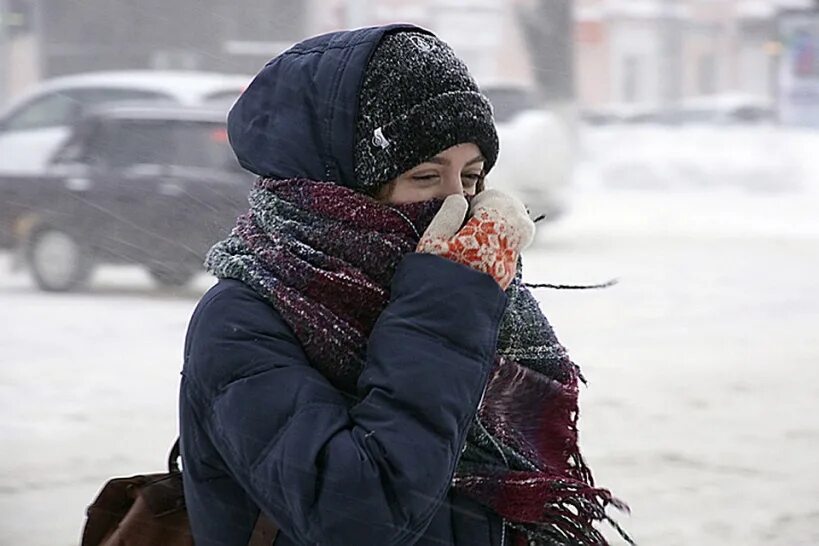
(55, 38)
(485, 33)
(657, 52)
(41, 39)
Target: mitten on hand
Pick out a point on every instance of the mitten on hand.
(491, 240)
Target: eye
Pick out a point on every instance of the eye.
(425, 179)
(471, 179)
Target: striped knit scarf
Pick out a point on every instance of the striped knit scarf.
(324, 256)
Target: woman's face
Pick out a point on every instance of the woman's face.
(455, 170)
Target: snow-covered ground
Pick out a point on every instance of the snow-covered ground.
(703, 385)
(763, 159)
(701, 409)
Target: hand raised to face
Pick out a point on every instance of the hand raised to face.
(498, 229)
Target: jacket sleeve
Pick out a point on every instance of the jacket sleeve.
(331, 471)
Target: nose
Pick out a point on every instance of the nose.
(451, 184)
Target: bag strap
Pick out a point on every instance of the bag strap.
(265, 531)
(173, 457)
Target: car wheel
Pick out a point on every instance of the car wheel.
(58, 261)
(172, 277)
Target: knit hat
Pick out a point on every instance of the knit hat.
(417, 99)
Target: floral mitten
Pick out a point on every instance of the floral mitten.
(490, 241)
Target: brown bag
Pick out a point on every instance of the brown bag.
(149, 510)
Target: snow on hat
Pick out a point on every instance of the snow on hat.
(417, 99)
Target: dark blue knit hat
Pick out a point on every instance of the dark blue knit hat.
(417, 99)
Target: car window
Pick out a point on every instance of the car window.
(51, 110)
(228, 95)
(82, 144)
(73, 151)
(100, 95)
(125, 143)
(64, 107)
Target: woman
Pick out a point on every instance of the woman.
(367, 304)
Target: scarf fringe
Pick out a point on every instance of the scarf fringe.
(568, 508)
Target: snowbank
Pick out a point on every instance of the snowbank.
(756, 159)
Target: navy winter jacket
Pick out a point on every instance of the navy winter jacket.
(262, 429)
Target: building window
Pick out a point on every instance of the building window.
(707, 74)
(631, 78)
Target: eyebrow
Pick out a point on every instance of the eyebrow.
(443, 161)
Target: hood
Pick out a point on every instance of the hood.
(297, 118)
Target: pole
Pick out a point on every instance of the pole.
(5, 53)
(548, 28)
(671, 50)
(38, 29)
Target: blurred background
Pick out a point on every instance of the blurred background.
(672, 144)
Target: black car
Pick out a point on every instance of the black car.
(148, 184)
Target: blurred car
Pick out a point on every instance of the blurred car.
(724, 109)
(729, 108)
(36, 124)
(508, 100)
(154, 185)
(620, 114)
(537, 150)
